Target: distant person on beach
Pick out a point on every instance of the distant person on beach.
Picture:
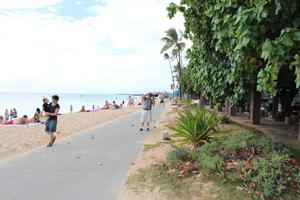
(15, 113)
(82, 109)
(115, 106)
(11, 115)
(106, 106)
(52, 113)
(130, 101)
(6, 115)
(23, 120)
(71, 108)
(38, 112)
(162, 99)
(2, 122)
(148, 102)
(36, 118)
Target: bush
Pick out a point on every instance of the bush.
(196, 127)
(224, 119)
(178, 155)
(268, 176)
(265, 167)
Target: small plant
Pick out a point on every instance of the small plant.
(178, 155)
(196, 127)
(224, 119)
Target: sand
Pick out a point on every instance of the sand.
(19, 140)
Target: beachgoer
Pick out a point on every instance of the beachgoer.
(38, 112)
(115, 106)
(162, 99)
(36, 118)
(23, 120)
(148, 102)
(71, 108)
(5, 123)
(130, 101)
(6, 115)
(11, 115)
(15, 113)
(52, 121)
(82, 109)
(93, 107)
(106, 106)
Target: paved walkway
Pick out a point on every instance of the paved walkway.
(89, 166)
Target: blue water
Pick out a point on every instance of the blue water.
(27, 103)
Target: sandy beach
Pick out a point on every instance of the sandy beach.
(19, 140)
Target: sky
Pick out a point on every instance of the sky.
(84, 46)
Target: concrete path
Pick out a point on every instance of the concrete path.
(89, 166)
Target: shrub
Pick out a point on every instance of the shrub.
(224, 119)
(259, 163)
(178, 155)
(268, 175)
(196, 127)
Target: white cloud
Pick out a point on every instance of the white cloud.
(49, 53)
(15, 4)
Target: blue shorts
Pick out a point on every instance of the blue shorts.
(51, 126)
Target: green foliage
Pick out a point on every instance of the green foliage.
(297, 180)
(178, 155)
(269, 172)
(156, 176)
(238, 45)
(267, 175)
(212, 163)
(196, 127)
(224, 119)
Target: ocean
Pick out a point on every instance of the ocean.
(26, 104)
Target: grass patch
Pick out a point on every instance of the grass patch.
(148, 147)
(156, 176)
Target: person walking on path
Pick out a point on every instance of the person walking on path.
(52, 113)
(147, 101)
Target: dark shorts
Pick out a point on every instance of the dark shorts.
(51, 126)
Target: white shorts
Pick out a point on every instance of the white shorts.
(146, 116)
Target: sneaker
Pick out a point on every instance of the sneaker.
(148, 129)
(141, 129)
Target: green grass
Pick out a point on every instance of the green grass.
(156, 176)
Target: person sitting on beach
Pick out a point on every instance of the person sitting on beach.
(115, 106)
(23, 120)
(5, 123)
(38, 112)
(130, 101)
(36, 118)
(106, 106)
(82, 109)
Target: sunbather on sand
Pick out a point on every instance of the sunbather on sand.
(114, 106)
(82, 109)
(106, 106)
(23, 120)
(3, 122)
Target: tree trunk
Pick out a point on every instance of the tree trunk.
(220, 108)
(232, 110)
(275, 102)
(202, 101)
(255, 107)
(211, 104)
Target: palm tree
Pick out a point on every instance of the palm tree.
(173, 42)
(167, 57)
